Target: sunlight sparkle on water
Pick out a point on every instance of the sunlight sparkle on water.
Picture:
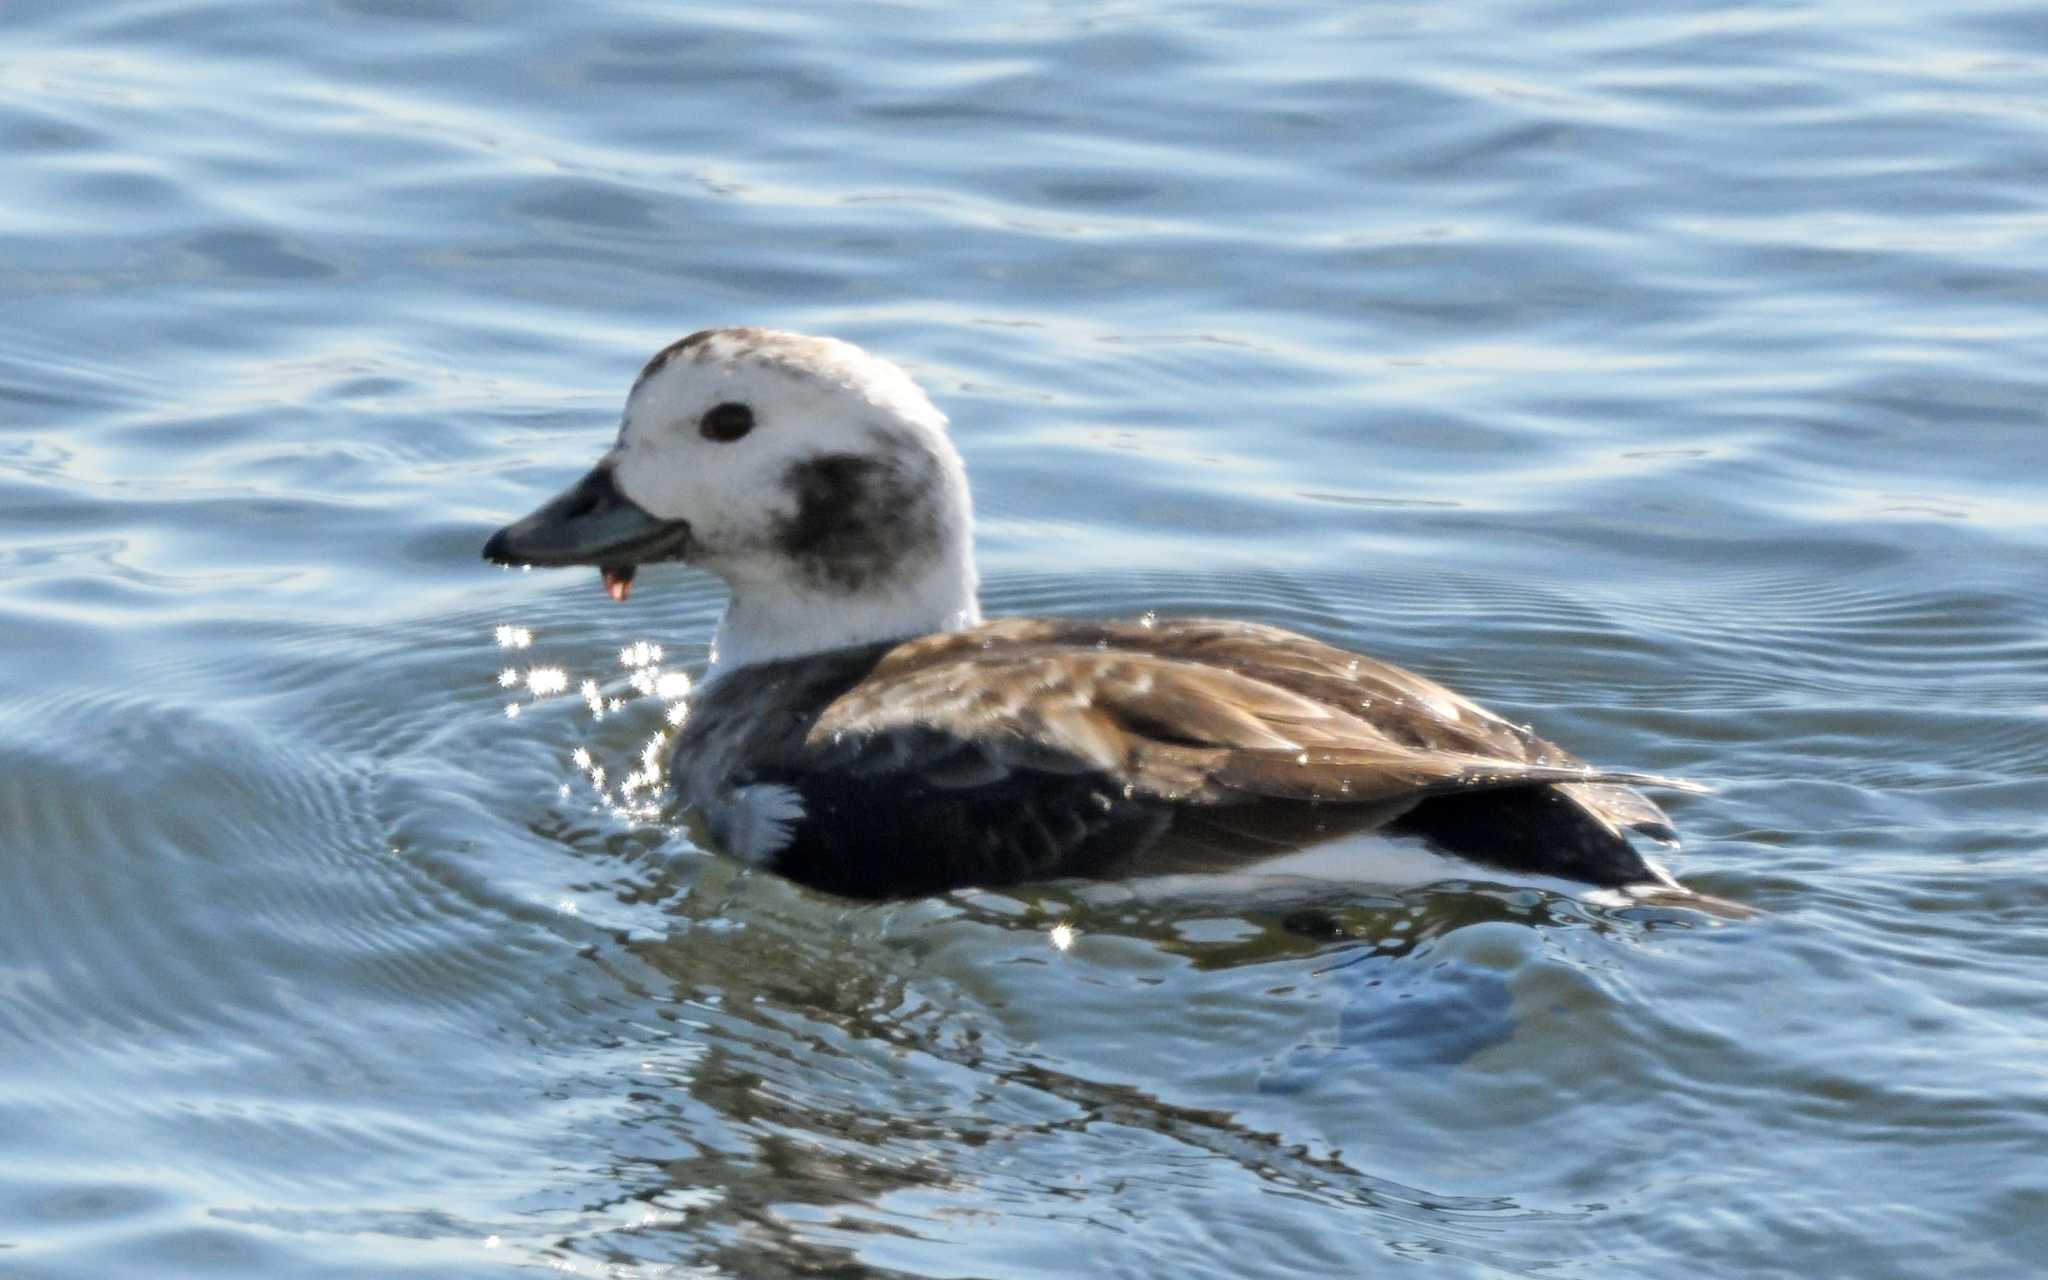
(637, 794)
(671, 685)
(1062, 936)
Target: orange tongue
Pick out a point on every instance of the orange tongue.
(618, 581)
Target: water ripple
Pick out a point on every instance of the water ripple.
(1667, 378)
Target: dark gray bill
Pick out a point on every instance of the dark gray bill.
(591, 523)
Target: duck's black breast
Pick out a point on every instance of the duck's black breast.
(1030, 749)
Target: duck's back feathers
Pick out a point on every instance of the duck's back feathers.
(1027, 748)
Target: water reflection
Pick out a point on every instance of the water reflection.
(845, 1089)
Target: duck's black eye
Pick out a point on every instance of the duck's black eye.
(726, 422)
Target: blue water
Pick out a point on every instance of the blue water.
(1670, 376)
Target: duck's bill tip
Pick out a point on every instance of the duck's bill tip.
(591, 523)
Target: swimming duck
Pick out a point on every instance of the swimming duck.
(862, 729)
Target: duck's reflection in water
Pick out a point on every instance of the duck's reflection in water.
(842, 1082)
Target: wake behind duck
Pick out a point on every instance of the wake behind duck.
(863, 730)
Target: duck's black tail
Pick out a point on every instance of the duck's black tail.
(1545, 831)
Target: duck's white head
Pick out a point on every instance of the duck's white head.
(815, 479)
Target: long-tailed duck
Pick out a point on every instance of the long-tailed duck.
(861, 729)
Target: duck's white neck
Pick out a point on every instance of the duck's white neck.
(769, 618)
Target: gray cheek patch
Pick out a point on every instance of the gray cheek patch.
(859, 518)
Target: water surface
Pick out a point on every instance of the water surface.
(1671, 378)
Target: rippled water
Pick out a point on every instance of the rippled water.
(1671, 376)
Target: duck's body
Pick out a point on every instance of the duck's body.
(865, 732)
(1026, 749)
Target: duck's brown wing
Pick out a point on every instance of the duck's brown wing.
(1172, 727)
(1238, 728)
(1408, 708)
